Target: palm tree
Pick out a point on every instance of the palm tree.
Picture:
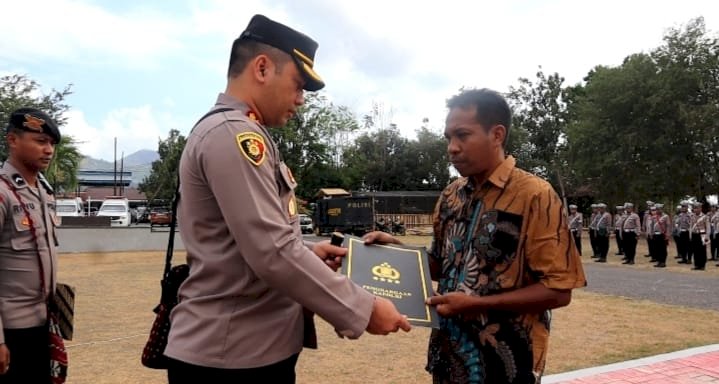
(62, 173)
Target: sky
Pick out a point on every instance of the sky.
(140, 68)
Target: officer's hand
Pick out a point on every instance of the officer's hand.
(385, 318)
(379, 237)
(451, 304)
(330, 254)
(4, 359)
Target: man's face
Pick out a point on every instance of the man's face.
(284, 94)
(33, 150)
(684, 209)
(471, 148)
(697, 209)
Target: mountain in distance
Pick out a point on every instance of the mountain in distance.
(141, 157)
(139, 163)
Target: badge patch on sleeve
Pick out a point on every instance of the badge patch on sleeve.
(252, 145)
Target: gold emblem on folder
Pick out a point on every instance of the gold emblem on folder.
(385, 272)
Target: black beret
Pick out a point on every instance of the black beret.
(298, 45)
(34, 120)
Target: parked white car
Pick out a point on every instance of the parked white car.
(69, 207)
(118, 208)
(306, 224)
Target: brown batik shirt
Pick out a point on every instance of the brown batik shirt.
(509, 233)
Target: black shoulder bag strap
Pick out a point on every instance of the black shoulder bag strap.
(176, 199)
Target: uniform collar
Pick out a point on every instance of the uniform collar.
(13, 175)
(241, 106)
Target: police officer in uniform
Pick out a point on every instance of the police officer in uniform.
(660, 235)
(575, 226)
(647, 226)
(675, 231)
(685, 222)
(618, 221)
(240, 317)
(28, 263)
(593, 230)
(630, 231)
(604, 224)
(714, 226)
(700, 230)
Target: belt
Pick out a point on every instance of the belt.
(657, 233)
(630, 231)
(683, 230)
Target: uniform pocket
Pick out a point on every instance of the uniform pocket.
(287, 193)
(22, 240)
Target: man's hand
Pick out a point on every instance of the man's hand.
(385, 318)
(4, 359)
(331, 254)
(379, 237)
(451, 304)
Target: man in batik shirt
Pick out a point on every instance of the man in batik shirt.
(502, 254)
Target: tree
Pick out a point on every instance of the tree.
(430, 169)
(688, 68)
(539, 124)
(649, 127)
(62, 173)
(312, 143)
(17, 91)
(161, 183)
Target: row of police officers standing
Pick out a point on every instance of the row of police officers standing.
(691, 229)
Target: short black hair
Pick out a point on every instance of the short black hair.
(244, 50)
(491, 107)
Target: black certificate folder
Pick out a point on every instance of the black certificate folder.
(397, 273)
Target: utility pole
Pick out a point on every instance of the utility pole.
(114, 172)
(122, 170)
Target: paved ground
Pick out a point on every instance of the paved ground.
(688, 289)
(696, 365)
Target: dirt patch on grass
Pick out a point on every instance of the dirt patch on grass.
(117, 291)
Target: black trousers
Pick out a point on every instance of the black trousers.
(659, 247)
(620, 241)
(577, 240)
(714, 247)
(593, 242)
(630, 245)
(699, 250)
(282, 372)
(603, 246)
(650, 246)
(676, 243)
(29, 356)
(684, 246)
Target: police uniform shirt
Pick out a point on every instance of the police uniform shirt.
(575, 222)
(594, 219)
(685, 221)
(660, 224)
(700, 224)
(714, 220)
(619, 220)
(250, 273)
(649, 222)
(22, 301)
(631, 223)
(604, 220)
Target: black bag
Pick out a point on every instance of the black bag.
(153, 354)
(62, 304)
